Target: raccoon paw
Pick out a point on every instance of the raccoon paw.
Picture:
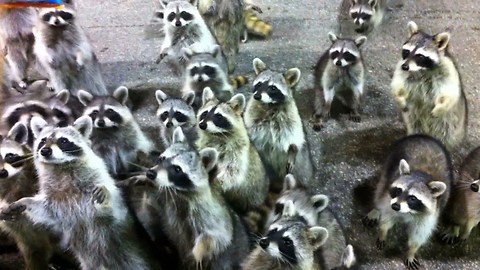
(380, 244)
(256, 8)
(412, 264)
(368, 222)
(100, 195)
(12, 212)
(355, 118)
(449, 238)
(23, 84)
(160, 57)
(317, 122)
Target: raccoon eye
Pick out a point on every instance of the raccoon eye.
(12, 158)
(412, 199)
(366, 17)
(42, 142)
(203, 115)
(161, 159)
(66, 15)
(109, 111)
(164, 116)
(405, 53)
(210, 71)
(186, 16)
(177, 169)
(349, 57)
(354, 15)
(334, 55)
(62, 141)
(273, 88)
(47, 17)
(193, 71)
(171, 16)
(278, 208)
(395, 192)
(287, 242)
(94, 114)
(180, 117)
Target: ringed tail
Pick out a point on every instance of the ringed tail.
(256, 26)
(238, 81)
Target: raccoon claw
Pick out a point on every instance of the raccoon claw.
(412, 264)
(12, 212)
(368, 222)
(449, 239)
(290, 167)
(355, 118)
(380, 244)
(100, 195)
(256, 8)
(160, 58)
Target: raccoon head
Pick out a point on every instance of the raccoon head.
(12, 151)
(414, 192)
(220, 118)
(175, 112)
(183, 169)
(344, 51)
(107, 111)
(58, 17)
(178, 13)
(361, 12)
(203, 67)
(422, 52)
(271, 87)
(290, 241)
(61, 112)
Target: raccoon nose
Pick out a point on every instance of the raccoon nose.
(405, 67)
(396, 207)
(101, 123)
(264, 243)
(46, 152)
(257, 96)
(474, 187)
(338, 63)
(202, 125)
(169, 124)
(151, 174)
(178, 23)
(3, 173)
(200, 79)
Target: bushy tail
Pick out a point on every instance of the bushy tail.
(256, 26)
(238, 81)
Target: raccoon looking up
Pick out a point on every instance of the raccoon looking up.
(366, 15)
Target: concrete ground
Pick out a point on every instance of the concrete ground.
(345, 153)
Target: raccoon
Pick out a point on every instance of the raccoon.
(64, 52)
(413, 189)
(255, 26)
(340, 73)
(241, 174)
(194, 215)
(16, 40)
(176, 112)
(427, 88)
(225, 20)
(116, 137)
(78, 199)
(366, 15)
(289, 244)
(348, 261)
(274, 125)
(461, 214)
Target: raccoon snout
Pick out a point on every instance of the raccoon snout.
(3, 173)
(264, 243)
(101, 123)
(46, 152)
(396, 207)
(202, 125)
(257, 96)
(405, 67)
(169, 124)
(474, 187)
(151, 174)
(178, 23)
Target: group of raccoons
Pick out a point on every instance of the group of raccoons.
(234, 185)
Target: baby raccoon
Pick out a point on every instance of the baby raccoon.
(339, 73)
(427, 88)
(365, 14)
(274, 125)
(290, 244)
(194, 215)
(64, 52)
(116, 137)
(176, 112)
(240, 171)
(413, 189)
(462, 213)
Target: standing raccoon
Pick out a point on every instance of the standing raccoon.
(176, 112)
(366, 15)
(63, 50)
(241, 174)
(427, 88)
(16, 40)
(116, 137)
(339, 73)
(413, 189)
(274, 125)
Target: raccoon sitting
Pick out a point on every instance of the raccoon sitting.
(427, 88)
(366, 15)
(413, 189)
(116, 137)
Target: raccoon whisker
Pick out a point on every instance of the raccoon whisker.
(138, 165)
(22, 160)
(169, 190)
(286, 256)
(73, 151)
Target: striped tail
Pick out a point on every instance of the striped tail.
(256, 26)
(238, 81)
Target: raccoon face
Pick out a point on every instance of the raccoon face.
(61, 113)
(271, 87)
(422, 51)
(345, 52)
(12, 154)
(361, 12)
(175, 112)
(57, 18)
(23, 112)
(178, 14)
(202, 67)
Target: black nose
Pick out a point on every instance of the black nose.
(405, 67)
(474, 187)
(169, 124)
(338, 63)
(396, 207)
(202, 125)
(46, 152)
(257, 96)
(200, 79)
(3, 173)
(151, 174)
(101, 123)
(178, 23)
(264, 243)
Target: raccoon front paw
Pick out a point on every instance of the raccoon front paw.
(12, 212)
(439, 110)
(203, 248)
(318, 122)
(449, 238)
(380, 244)
(160, 57)
(23, 84)
(256, 8)
(355, 118)
(412, 264)
(368, 222)
(100, 195)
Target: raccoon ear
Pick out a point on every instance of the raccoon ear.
(63, 96)
(372, 3)
(289, 209)
(403, 167)
(412, 28)
(348, 257)
(216, 50)
(84, 125)
(194, 2)
(441, 40)
(289, 183)
(360, 40)
(160, 96)
(178, 136)
(207, 95)
(84, 97)
(292, 76)
(259, 66)
(121, 94)
(318, 236)
(332, 37)
(320, 202)
(189, 97)
(187, 52)
(437, 188)
(209, 158)
(237, 103)
(37, 124)
(18, 133)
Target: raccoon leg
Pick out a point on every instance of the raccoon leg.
(18, 64)
(291, 156)
(372, 218)
(167, 43)
(357, 95)
(450, 234)
(385, 226)
(55, 79)
(35, 248)
(467, 229)
(419, 234)
(204, 247)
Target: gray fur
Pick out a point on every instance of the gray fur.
(376, 8)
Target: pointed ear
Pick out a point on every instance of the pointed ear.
(215, 51)
(237, 103)
(194, 2)
(372, 3)
(188, 53)
(289, 209)
(320, 202)
(84, 125)
(403, 167)
(37, 124)
(259, 66)
(348, 257)
(412, 28)
(207, 95)
(441, 40)
(84, 97)
(353, 2)
(209, 158)
(18, 133)
(160, 96)
(360, 40)
(318, 236)
(437, 188)
(332, 37)
(178, 136)
(292, 76)
(63, 96)
(289, 183)
(189, 98)
(121, 94)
